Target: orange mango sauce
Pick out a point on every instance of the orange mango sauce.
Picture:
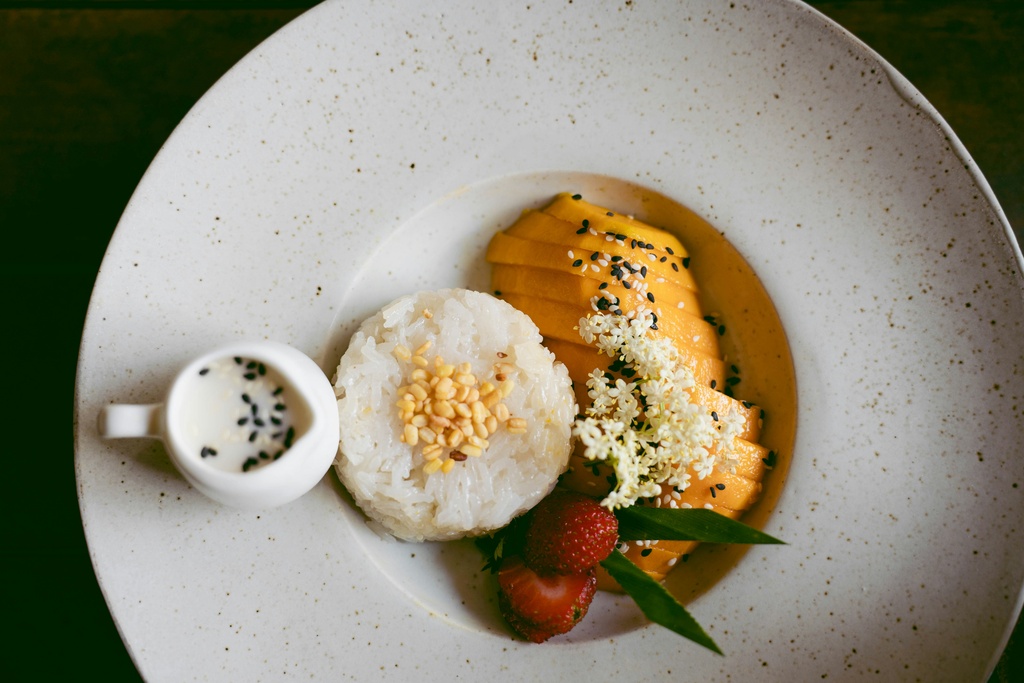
(549, 266)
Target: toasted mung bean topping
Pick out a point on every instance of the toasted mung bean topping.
(448, 412)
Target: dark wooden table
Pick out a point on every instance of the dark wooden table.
(89, 91)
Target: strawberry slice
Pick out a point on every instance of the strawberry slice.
(539, 606)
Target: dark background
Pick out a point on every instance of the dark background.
(90, 90)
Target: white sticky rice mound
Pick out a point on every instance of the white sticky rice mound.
(385, 476)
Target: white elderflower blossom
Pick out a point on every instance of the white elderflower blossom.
(646, 426)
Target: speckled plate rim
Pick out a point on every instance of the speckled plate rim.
(101, 354)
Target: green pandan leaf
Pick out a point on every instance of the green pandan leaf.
(638, 523)
(655, 601)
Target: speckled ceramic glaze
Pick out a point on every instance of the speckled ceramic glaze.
(369, 150)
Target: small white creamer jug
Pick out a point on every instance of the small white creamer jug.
(253, 424)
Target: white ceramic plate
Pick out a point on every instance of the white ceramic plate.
(369, 150)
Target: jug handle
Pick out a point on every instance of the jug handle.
(120, 421)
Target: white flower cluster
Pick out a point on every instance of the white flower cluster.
(647, 428)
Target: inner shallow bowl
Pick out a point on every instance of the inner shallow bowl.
(454, 231)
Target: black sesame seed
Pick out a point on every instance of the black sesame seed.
(645, 552)
(721, 329)
(249, 464)
(720, 487)
(577, 263)
(245, 397)
(669, 250)
(747, 404)
(686, 557)
(632, 244)
(277, 392)
(619, 236)
(625, 283)
(733, 381)
(650, 246)
(593, 257)
(280, 407)
(275, 420)
(497, 292)
(686, 262)
(675, 267)
(212, 451)
(713, 495)
(616, 259)
(238, 361)
(714, 383)
(252, 437)
(250, 375)
(577, 197)
(603, 285)
(643, 271)
(255, 408)
(262, 369)
(663, 259)
(258, 422)
(264, 455)
(278, 454)
(250, 365)
(714, 415)
(735, 369)
(586, 223)
(650, 297)
(609, 213)
(204, 371)
(289, 437)
(581, 231)
(617, 311)
(242, 421)
(205, 452)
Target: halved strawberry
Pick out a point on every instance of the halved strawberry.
(569, 533)
(540, 606)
